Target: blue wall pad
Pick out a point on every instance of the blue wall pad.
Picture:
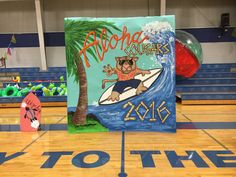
(2, 70)
(53, 39)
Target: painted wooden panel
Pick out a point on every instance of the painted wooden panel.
(121, 74)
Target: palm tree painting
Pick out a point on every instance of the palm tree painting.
(135, 56)
(75, 35)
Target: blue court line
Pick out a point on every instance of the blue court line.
(206, 125)
(217, 141)
(44, 127)
(122, 167)
(32, 142)
(179, 125)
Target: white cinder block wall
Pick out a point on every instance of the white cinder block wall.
(19, 17)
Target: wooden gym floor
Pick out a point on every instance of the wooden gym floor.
(201, 128)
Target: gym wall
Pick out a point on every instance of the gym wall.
(198, 16)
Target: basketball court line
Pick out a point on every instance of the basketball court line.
(187, 117)
(179, 125)
(119, 145)
(206, 125)
(181, 118)
(133, 164)
(208, 134)
(32, 142)
(217, 141)
(122, 161)
(212, 118)
(40, 136)
(209, 113)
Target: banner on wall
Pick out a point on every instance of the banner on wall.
(8, 51)
(121, 74)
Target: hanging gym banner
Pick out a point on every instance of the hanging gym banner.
(121, 74)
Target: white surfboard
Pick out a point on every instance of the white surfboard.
(129, 92)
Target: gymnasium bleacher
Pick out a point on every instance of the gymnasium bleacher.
(212, 84)
(34, 76)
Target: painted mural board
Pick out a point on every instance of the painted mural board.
(30, 113)
(121, 74)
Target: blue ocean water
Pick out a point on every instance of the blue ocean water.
(158, 102)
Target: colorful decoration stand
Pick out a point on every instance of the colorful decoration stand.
(30, 114)
(121, 74)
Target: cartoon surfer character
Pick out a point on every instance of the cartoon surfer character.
(31, 115)
(126, 69)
